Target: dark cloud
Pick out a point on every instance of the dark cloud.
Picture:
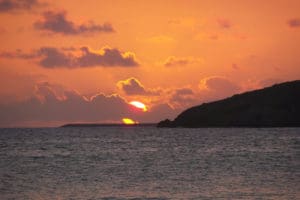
(224, 23)
(52, 103)
(57, 22)
(181, 61)
(173, 61)
(14, 5)
(16, 85)
(221, 84)
(50, 57)
(183, 97)
(55, 105)
(217, 87)
(132, 86)
(294, 23)
(109, 57)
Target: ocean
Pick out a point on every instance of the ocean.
(148, 163)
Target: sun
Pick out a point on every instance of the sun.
(128, 121)
(139, 105)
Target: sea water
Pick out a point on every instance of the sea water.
(132, 163)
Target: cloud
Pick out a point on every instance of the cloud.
(53, 104)
(51, 57)
(133, 86)
(173, 61)
(294, 23)
(15, 5)
(108, 57)
(217, 87)
(224, 23)
(57, 22)
(183, 97)
(20, 84)
(181, 61)
(218, 83)
(159, 112)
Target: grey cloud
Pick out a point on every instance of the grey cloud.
(221, 84)
(110, 57)
(173, 61)
(51, 57)
(55, 105)
(52, 104)
(183, 97)
(57, 22)
(13, 5)
(132, 86)
(294, 23)
(217, 87)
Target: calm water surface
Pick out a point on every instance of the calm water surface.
(132, 163)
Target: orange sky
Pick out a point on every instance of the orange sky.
(56, 56)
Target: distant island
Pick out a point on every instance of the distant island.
(106, 125)
(276, 106)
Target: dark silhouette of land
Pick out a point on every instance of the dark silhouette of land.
(276, 106)
(107, 125)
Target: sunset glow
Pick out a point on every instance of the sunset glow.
(65, 61)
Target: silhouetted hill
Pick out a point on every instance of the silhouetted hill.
(276, 106)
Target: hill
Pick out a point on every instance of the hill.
(276, 106)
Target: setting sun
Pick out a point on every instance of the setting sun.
(128, 121)
(139, 105)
